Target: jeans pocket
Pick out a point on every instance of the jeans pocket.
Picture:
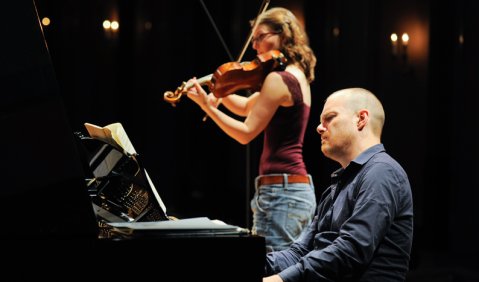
(299, 216)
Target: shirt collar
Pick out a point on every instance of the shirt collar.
(359, 160)
(369, 153)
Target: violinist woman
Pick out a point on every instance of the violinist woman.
(284, 200)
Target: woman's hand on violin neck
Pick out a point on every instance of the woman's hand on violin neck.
(199, 96)
(196, 93)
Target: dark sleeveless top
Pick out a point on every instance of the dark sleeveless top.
(284, 135)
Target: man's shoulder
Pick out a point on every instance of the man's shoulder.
(383, 159)
(384, 166)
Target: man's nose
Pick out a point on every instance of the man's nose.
(320, 129)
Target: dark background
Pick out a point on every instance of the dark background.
(430, 96)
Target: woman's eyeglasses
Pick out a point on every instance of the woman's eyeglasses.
(262, 36)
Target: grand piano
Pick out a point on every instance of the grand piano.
(49, 226)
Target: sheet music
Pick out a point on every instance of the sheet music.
(195, 224)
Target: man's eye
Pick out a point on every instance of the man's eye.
(328, 118)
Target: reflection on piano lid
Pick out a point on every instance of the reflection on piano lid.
(120, 189)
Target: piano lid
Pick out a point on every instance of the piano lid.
(43, 192)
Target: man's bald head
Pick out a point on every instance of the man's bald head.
(359, 98)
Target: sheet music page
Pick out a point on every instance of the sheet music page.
(113, 134)
(196, 223)
(118, 133)
(98, 132)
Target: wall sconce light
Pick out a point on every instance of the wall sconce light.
(399, 50)
(110, 27)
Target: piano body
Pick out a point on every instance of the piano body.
(49, 226)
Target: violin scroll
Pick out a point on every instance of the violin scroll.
(174, 97)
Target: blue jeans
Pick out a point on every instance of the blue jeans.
(282, 211)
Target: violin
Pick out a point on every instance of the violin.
(233, 76)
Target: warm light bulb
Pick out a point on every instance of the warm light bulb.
(46, 21)
(106, 24)
(115, 25)
(394, 37)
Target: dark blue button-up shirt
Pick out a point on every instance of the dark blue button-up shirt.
(362, 230)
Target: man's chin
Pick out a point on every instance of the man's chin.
(325, 150)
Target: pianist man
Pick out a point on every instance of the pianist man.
(363, 227)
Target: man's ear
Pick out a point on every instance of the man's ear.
(363, 119)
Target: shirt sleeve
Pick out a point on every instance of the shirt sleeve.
(277, 262)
